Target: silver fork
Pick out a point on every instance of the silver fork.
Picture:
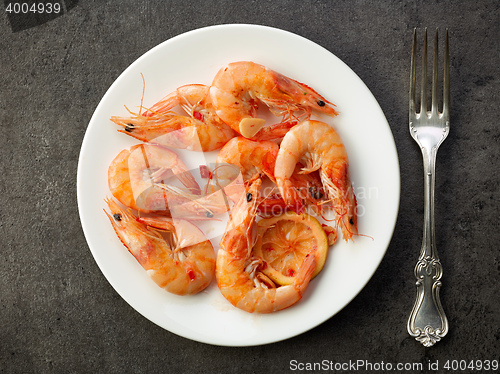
(428, 322)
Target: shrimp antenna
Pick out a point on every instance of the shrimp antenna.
(143, 91)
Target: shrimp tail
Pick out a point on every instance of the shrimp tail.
(286, 296)
(305, 273)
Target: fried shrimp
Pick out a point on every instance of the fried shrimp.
(317, 146)
(238, 273)
(201, 130)
(179, 258)
(239, 87)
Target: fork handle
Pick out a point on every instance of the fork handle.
(428, 322)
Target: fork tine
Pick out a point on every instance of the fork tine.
(423, 92)
(446, 78)
(412, 73)
(434, 89)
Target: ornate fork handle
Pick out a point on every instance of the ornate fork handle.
(428, 322)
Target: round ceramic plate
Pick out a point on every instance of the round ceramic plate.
(195, 57)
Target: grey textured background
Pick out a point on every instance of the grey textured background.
(57, 311)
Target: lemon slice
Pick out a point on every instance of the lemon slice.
(285, 240)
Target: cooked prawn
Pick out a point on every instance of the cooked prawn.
(242, 160)
(181, 261)
(257, 159)
(202, 130)
(137, 178)
(318, 146)
(237, 272)
(253, 158)
(239, 87)
(308, 187)
(148, 164)
(183, 204)
(133, 175)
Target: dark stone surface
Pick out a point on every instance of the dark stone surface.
(57, 311)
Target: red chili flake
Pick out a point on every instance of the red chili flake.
(290, 272)
(204, 171)
(191, 274)
(198, 116)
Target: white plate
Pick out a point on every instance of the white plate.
(195, 57)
